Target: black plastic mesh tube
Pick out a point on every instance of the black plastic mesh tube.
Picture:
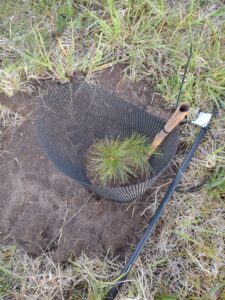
(72, 116)
(114, 290)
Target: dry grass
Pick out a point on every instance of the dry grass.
(53, 39)
(185, 259)
(65, 37)
(9, 118)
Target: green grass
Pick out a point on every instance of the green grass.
(8, 279)
(53, 39)
(149, 37)
(89, 278)
(216, 185)
(215, 161)
(116, 161)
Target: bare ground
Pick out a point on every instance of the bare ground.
(42, 209)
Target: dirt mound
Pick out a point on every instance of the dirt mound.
(45, 210)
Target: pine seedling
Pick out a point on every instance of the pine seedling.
(116, 161)
(107, 161)
(137, 152)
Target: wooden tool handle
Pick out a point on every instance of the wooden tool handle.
(179, 114)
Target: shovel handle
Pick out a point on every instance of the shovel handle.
(179, 114)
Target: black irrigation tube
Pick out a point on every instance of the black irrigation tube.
(119, 282)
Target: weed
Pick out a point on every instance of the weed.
(216, 186)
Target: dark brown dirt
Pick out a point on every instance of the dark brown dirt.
(43, 209)
(140, 95)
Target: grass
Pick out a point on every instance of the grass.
(9, 118)
(216, 185)
(53, 39)
(116, 161)
(185, 260)
(65, 37)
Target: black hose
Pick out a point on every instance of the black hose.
(118, 284)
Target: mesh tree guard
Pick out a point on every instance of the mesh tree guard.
(71, 116)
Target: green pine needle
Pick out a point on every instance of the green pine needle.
(116, 161)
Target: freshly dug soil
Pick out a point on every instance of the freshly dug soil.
(42, 209)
